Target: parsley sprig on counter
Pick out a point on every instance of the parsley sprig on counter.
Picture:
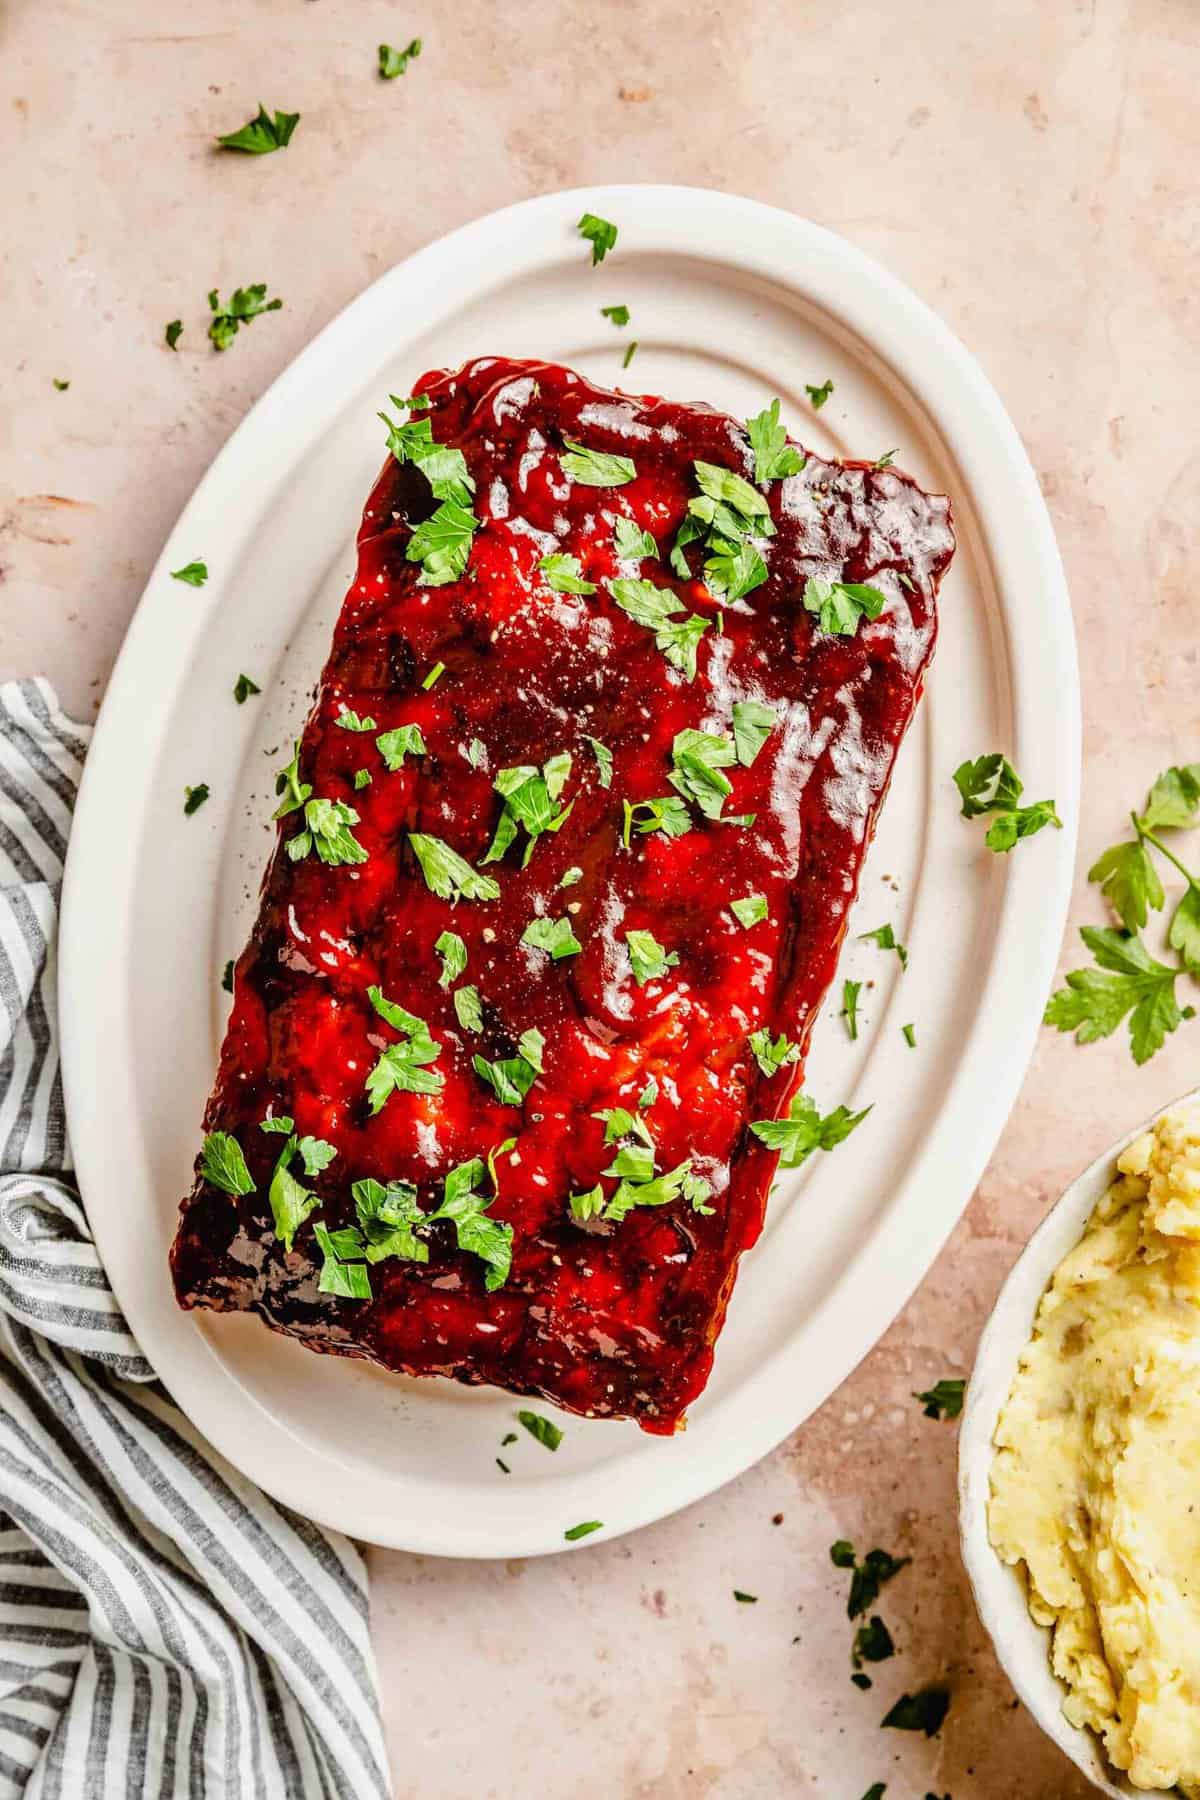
(1127, 982)
(990, 784)
(393, 62)
(263, 134)
(244, 306)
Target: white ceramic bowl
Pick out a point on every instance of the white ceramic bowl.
(1022, 1647)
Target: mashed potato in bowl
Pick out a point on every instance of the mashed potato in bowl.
(1095, 1484)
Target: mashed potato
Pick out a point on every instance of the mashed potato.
(1096, 1478)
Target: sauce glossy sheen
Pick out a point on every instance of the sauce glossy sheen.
(606, 1318)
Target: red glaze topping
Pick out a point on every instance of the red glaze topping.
(606, 1317)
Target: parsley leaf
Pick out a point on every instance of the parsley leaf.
(349, 720)
(569, 877)
(944, 1399)
(327, 830)
(804, 1130)
(600, 233)
(227, 977)
(735, 491)
(291, 1202)
(468, 1009)
(172, 333)
(632, 542)
(753, 723)
(447, 874)
(387, 1218)
(841, 1554)
(543, 1429)
(604, 761)
(554, 936)
(771, 1055)
(403, 1068)
(587, 1206)
(349, 1280)
(477, 1234)
(647, 957)
(194, 797)
(243, 687)
(885, 937)
(245, 305)
(818, 395)
(61, 386)
(394, 746)
(1174, 800)
(194, 573)
(850, 992)
(910, 1035)
(920, 1712)
(1127, 981)
(442, 544)
(618, 314)
(443, 466)
(876, 1791)
(596, 468)
(393, 62)
(668, 815)
(263, 134)
(744, 1598)
(565, 575)
(1129, 882)
(288, 783)
(574, 1532)
(453, 952)
(698, 758)
(530, 799)
(839, 605)
(751, 910)
(774, 457)
(223, 1164)
(278, 1123)
(991, 784)
(872, 1643)
(477, 753)
(869, 1575)
(655, 607)
(629, 354)
(885, 461)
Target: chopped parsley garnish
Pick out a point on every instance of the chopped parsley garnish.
(885, 461)
(751, 910)
(434, 676)
(872, 1643)
(601, 234)
(279, 1123)
(194, 573)
(554, 936)
(839, 605)
(442, 545)
(447, 874)
(818, 395)
(194, 797)
(726, 488)
(263, 134)
(753, 723)
(443, 466)
(774, 457)
(885, 937)
(990, 784)
(468, 1009)
(596, 468)
(243, 687)
(389, 1218)
(352, 721)
(223, 1164)
(632, 542)
(403, 1068)
(245, 305)
(580, 1531)
(604, 761)
(629, 354)
(726, 514)
(698, 758)
(227, 977)
(61, 386)
(362, 779)
(771, 1055)
(172, 333)
(569, 877)
(869, 1575)
(394, 746)
(668, 815)
(327, 830)
(291, 1201)
(288, 783)
(349, 1280)
(618, 314)
(477, 753)
(919, 1712)
(453, 952)
(876, 1791)
(543, 1429)
(648, 1095)
(850, 992)
(655, 608)
(587, 1206)
(512, 1078)
(393, 62)
(530, 797)
(944, 1400)
(565, 575)
(910, 1035)
(804, 1130)
(647, 957)
(745, 1599)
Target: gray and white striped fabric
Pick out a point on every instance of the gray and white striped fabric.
(165, 1629)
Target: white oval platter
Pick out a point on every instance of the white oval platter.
(732, 302)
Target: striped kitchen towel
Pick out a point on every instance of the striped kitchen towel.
(165, 1629)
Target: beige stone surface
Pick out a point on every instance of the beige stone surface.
(1030, 170)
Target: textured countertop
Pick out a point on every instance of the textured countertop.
(1030, 172)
